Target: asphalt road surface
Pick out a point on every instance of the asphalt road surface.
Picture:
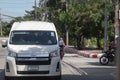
(76, 67)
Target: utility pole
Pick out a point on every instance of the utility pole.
(117, 38)
(105, 28)
(116, 23)
(45, 5)
(67, 33)
(1, 24)
(39, 3)
(35, 9)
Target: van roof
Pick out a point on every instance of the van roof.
(33, 25)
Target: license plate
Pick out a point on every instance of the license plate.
(33, 68)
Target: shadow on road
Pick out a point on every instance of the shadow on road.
(98, 64)
(99, 73)
(1, 74)
(72, 77)
(87, 77)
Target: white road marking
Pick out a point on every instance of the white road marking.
(84, 72)
(74, 70)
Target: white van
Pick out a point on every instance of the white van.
(32, 51)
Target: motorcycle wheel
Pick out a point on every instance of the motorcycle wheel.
(104, 60)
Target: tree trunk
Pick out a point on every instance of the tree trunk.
(79, 41)
(98, 43)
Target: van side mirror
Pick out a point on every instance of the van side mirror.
(4, 43)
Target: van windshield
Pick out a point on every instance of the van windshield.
(33, 37)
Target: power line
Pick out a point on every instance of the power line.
(5, 5)
(8, 11)
(8, 16)
(20, 2)
(1, 24)
(12, 6)
(5, 18)
(15, 3)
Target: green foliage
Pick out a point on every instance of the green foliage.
(6, 28)
(84, 18)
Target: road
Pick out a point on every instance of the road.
(76, 67)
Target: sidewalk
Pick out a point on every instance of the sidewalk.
(85, 53)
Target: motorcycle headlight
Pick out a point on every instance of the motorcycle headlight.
(11, 54)
(54, 54)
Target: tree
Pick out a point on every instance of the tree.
(84, 18)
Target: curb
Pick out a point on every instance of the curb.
(96, 55)
(89, 55)
(83, 53)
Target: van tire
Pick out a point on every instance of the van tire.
(57, 78)
(7, 78)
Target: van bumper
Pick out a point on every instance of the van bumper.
(14, 70)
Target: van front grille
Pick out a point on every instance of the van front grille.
(32, 72)
(33, 61)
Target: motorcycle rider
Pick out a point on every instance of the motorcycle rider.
(111, 50)
(112, 45)
(109, 54)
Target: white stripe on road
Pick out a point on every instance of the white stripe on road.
(113, 74)
(74, 69)
(83, 72)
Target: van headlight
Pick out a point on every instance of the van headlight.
(11, 54)
(54, 54)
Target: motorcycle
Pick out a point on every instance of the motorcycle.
(107, 57)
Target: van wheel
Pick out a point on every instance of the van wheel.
(58, 78)
(7, 78)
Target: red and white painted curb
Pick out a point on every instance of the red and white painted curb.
(95, 55)
(83, 53)
(89, 55)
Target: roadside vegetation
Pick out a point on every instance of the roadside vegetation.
(83, 19)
